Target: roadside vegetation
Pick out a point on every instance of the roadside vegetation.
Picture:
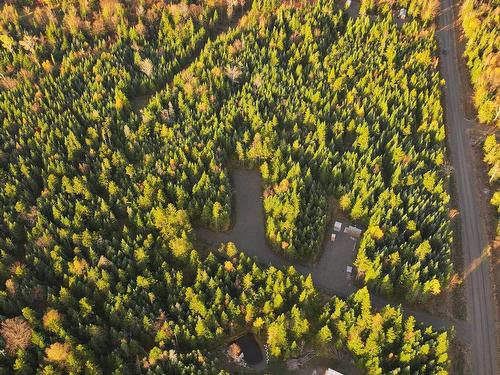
(98, 270)
(492, 159)
(425, 10)
(480, 21)
(481, 26)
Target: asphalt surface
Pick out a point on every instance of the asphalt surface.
(328, 274)
(480, 307)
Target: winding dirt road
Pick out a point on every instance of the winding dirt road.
(480, 309)
(248, 233)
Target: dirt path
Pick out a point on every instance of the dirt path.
(477, 261)
(248, 233)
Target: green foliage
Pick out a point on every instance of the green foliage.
(426, 10)
(383, 342)
(480, 21)
(98, 200)
(492, 158)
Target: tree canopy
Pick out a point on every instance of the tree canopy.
(100, 271)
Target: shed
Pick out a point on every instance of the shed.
(337, 227)
(352, 231)
(329, 371)
(333, 237)
(402, 13)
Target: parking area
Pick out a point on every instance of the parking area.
(332, 270)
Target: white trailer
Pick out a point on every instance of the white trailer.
(337, 227)
(348, 272)
(353, 231)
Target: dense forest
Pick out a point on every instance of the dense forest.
(425, 10)
(492, 159)
(480, 22)
(366, 129)
(99, 266)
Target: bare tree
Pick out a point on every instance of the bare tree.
(231, 4)
(233, 73)
(242, 4)
(146, 66)
(29, 43)
(8, 83)
(17, 334)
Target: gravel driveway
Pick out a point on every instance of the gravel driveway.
(329, 273)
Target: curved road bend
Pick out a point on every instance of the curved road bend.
(480, 309)
(248, 233)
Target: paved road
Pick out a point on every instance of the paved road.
(248, 233)
(480, 307)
